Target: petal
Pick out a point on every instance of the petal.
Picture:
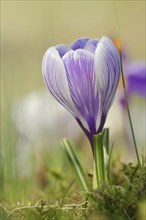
(135, 73)
(79, 44)
(83, 90)
(107, 69)
(91, 45)
(55, 77)
(62, 49)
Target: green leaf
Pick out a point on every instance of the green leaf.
(105, 139)
(75, 164)
(109, 162)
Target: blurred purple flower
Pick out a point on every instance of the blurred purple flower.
(84, 77)
(135, 77)
(134, 74)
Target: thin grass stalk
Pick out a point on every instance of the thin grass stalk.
(124, 87)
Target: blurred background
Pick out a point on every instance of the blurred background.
(32, 122)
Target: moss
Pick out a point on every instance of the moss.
(120, 202)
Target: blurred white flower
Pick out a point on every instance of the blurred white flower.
(40, 123)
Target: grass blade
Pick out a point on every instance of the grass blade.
(109, 163)
(124, 87)
(75, 164)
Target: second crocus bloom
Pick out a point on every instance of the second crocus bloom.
(84, 77)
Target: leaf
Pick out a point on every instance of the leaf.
(75, 164)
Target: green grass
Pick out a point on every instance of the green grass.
(121, 200)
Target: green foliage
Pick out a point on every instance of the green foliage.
(125, 200)
(120, 202)
(75, 163)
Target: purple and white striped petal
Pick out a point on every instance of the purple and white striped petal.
(91, 45)
(54, 74)
(107, 69)
(84, 77)
(82, 85)
(79, 44)
(62, 49)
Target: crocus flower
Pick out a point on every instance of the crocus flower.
(84, 77)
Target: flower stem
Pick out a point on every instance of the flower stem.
(99, 172)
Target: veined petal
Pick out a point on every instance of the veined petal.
(83, 89)
(54, 74)
(83, 78)
(79, 44)
(91, 45)
(107, 69)
(62, 49)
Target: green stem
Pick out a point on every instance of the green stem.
(99, 173)
(125, 93)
